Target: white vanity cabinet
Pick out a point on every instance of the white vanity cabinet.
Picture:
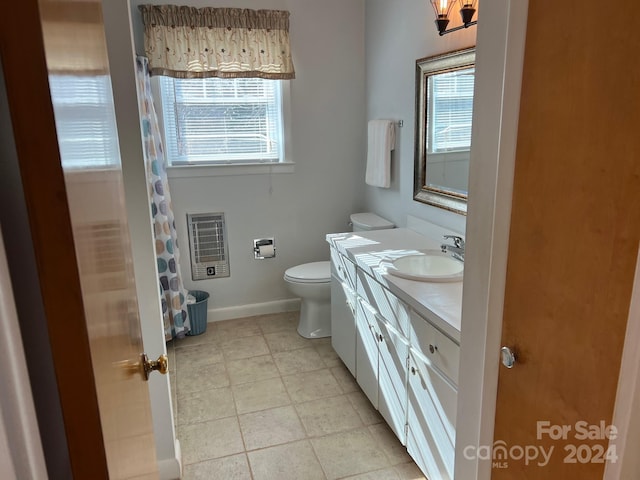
(406, 366)
(343, 309)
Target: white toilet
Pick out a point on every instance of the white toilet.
(312, 283)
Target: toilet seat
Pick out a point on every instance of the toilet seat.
(315, 272)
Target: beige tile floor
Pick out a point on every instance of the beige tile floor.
(254, 400)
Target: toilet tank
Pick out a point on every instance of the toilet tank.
(369, 221)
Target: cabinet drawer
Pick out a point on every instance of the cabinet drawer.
(390, 307)
(343, 268)
(442, 352)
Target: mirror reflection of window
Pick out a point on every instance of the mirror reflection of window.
(450, 110)
(450, 102)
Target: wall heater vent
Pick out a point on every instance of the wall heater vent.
(208, 244)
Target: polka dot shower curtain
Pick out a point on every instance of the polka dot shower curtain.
(172, 292)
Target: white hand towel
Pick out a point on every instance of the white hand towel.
(381, 140)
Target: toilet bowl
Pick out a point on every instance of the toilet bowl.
(312, 283)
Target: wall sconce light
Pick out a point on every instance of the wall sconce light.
(443, 8)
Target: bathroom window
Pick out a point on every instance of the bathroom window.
(213, 121)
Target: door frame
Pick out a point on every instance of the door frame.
(499, 61)
(627, 406)
(122, 67)
(21, 452)
(500, 57)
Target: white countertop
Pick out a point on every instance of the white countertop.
(373, 251)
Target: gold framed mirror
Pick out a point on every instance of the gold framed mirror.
(444, 109)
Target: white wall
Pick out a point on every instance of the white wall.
(327, 145)
(397, 34)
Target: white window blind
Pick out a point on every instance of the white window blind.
(222, 120)
(85, 121)
(450, 100)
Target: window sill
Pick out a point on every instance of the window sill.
(191, 171)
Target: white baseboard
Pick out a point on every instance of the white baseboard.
(241, 311)
(171, 468)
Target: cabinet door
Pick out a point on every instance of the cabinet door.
(367, 352)
(390, 307)
(343, 323)
(431, 415)
(392, 378)
(343, 268)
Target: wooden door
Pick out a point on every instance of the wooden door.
(575, 228)
(73, 189)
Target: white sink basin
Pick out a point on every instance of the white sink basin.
(428, 267)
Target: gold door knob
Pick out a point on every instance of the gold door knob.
(148, 366)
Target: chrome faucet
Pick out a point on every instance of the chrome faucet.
(457, 249)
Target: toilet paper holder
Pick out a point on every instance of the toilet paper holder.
(264, 248)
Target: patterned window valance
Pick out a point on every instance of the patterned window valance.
(189, 42)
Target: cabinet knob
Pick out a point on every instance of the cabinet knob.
(433, 348)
